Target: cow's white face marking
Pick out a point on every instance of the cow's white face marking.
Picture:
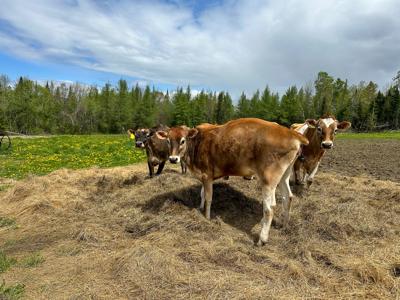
(328, 121)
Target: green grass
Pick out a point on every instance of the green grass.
(6, 262)
(12, 292)
(32, 260)
(395, 135)
(7, 222)
(3, 187)
(40, 156)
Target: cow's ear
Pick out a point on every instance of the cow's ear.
(192, 133)
(312, 122)
(344, 125)
(162, 135)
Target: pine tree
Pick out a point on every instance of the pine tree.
(290, 107)
(324, 94)
(243, 107)
(181, 112)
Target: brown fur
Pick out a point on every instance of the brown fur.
(241, 147)
(317, 134)
(157, 150)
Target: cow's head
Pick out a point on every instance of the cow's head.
(141, 136)
(177, 141)
(327, 127)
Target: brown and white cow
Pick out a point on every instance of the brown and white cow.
(241, 147)
(321, 134)
(157, 150)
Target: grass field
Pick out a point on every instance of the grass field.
(43, 155)
(394, 135)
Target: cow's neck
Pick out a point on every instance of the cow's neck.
(191, 151)
(314, 147)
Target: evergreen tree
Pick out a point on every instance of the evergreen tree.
(290, 108)
(243, 107)
(181, 111)
(324, 94)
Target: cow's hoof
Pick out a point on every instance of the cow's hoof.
(260, 243)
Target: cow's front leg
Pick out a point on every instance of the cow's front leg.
(298, 166)
(202, 199)
(207, 191)
(310, 178)
(287, 196)
(151, 168)
(183, 167)
(160, 167)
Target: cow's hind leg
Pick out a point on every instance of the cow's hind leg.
(268, 213)
(160, 167)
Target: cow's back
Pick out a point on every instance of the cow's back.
(240, 146)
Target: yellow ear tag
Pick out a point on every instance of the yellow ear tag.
(132, 137)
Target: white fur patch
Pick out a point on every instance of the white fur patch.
(328, 121)
(302, 128)
(314, 172)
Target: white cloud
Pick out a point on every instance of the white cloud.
(239, 45)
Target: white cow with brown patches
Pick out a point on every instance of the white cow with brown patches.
(321, 134)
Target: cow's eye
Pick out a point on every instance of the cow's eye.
(182, 141)
(319, 130)
(335, 132)
(168, 141)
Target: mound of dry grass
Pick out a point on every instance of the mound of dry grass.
(113, 233)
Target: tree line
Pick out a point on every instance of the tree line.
(31, 108)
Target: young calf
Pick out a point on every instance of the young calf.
(241, 147)
(157, 150)
(321, 134)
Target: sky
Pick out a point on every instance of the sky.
(225, 45)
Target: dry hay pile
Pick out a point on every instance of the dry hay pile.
(112, 233)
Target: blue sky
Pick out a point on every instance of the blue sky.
(231, 45)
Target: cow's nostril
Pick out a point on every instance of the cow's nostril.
(327, 145)
(173, 160)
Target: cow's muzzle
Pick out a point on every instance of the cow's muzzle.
(327, 145)
(139, 145)
(174, 159)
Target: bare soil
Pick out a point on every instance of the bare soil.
(115, 234)
(377, 158)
